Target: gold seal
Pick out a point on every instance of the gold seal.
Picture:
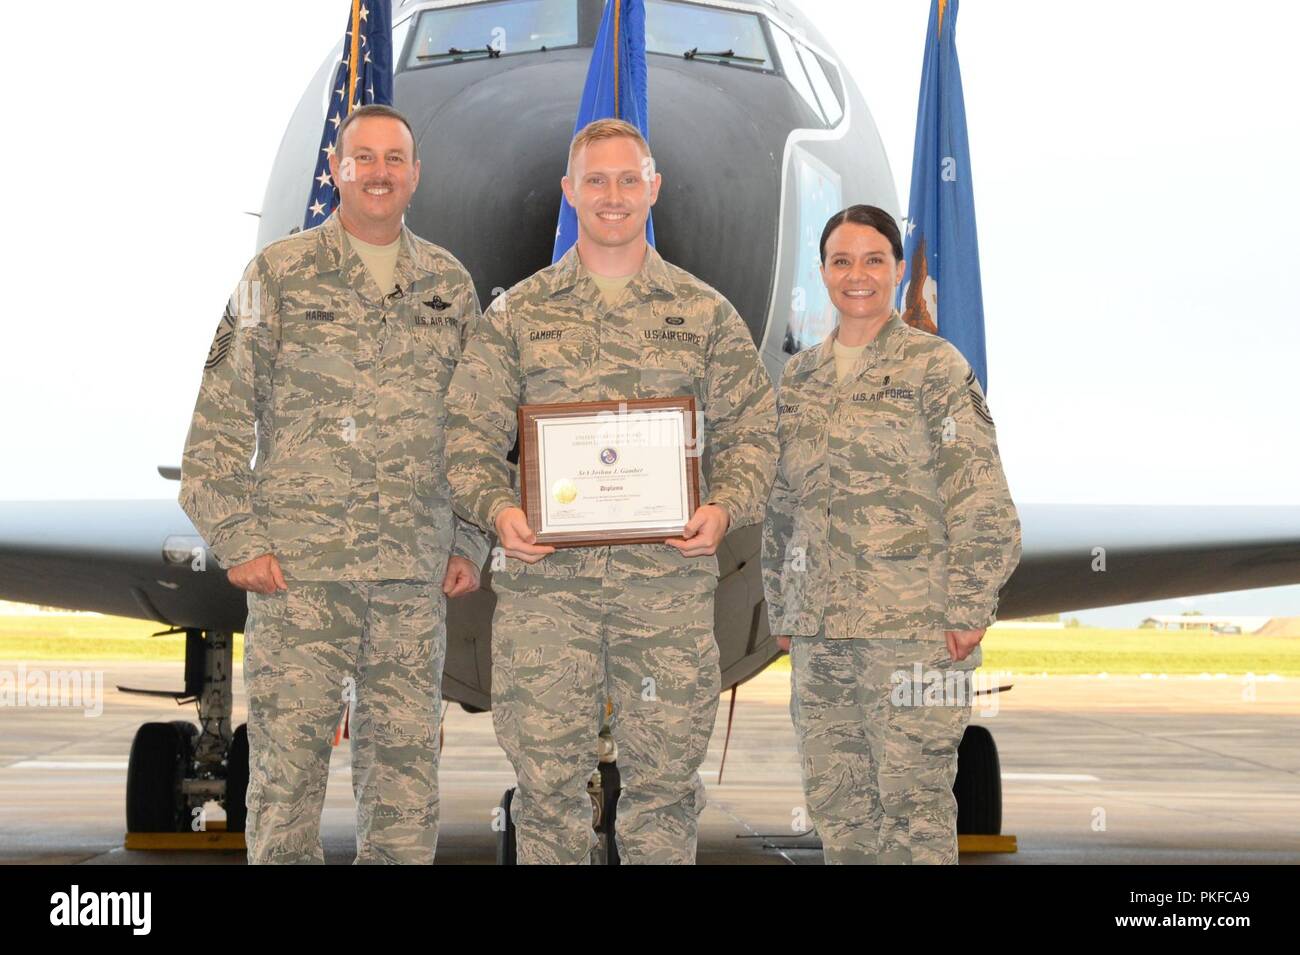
(564, 491)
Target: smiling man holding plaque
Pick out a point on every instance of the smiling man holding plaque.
(605, 364)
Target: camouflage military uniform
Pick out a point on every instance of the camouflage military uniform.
(345, 385)
(631, 622)
(889, 522)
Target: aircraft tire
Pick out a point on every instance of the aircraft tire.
(237, 780)
(610, 787)
(506, 853)
(978, 787)
(161, 754)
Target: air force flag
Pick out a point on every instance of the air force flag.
(941, 285)
(616, 88)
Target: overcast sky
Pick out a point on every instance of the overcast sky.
(1134, 175)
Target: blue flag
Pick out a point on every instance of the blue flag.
(616, 87)
(941, 285)
(365, 75)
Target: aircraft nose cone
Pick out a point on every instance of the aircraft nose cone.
(492, 158)
(494, 154)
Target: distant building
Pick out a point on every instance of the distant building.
(1208, 622)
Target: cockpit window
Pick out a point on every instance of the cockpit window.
(483, 30)
(795, 68)
(706, 33)
(830, 103)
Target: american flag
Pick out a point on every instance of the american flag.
(364, 75)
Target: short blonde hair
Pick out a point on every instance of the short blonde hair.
(602, 129)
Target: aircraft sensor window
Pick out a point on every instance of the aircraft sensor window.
(400, 30)
(821, 85)
(488, 30)
(706, 33)
(795, 73)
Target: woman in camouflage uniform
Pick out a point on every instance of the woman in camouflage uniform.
(888, 534)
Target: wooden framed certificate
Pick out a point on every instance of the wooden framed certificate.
(609, 472)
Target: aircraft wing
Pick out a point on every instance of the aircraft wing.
(1148, 553)
(109, 556)
(135, 559)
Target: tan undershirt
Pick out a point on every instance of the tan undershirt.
(611, 288)
(380, 260)
(845, 356)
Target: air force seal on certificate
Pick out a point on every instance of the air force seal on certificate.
(564, 491)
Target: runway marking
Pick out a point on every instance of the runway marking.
(778, 849)
(1183, 742)
(1050, 777)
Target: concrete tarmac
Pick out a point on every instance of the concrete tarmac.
(1117, 770)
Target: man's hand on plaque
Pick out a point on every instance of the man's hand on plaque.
(518, 539)
(703, 532)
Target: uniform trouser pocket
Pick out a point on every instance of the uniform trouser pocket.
(560, 649)
(396, 722)
(878, 724)
(664, 680)
(299, 650)
(925, 714)
(548, 701)
(309, 652)
(830, 712)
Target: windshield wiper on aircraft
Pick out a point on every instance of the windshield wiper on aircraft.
(696, 53)
(454, 51)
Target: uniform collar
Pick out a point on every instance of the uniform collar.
(334, 253)
(570, 275)
(886, 344)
